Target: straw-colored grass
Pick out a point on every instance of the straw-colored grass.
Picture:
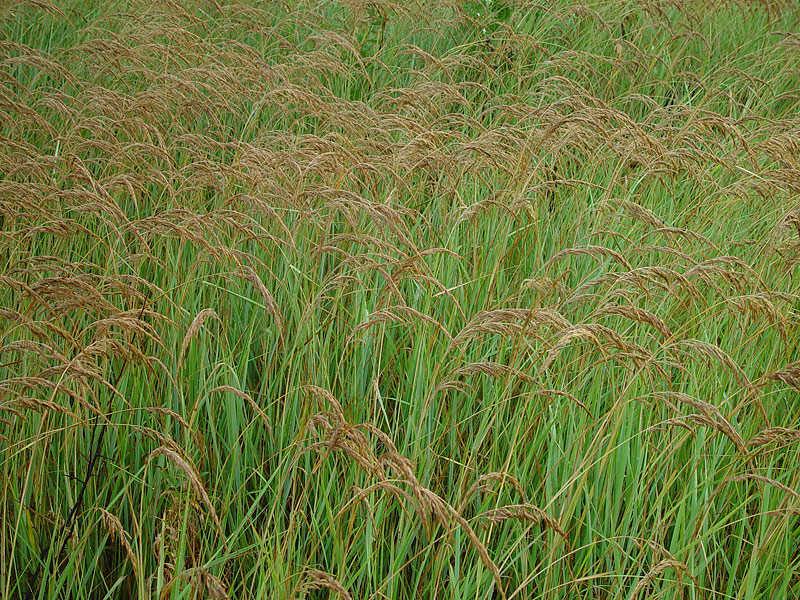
(487, 299)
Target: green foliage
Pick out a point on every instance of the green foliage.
(401, 300)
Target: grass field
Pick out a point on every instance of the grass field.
(382, 299)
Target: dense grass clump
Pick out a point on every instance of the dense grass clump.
(402, 300)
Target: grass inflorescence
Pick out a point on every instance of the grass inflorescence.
(400, 300)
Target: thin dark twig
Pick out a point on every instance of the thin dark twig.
(98, 433)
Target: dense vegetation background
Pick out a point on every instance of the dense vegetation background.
(394, 299)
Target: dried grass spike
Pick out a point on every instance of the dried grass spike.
(774, 434)
(662, 566)
(269, 301)
(117, 531)
(183, 465)
(197, 323)
(316, 579)
(523, 512)
(790, 375)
